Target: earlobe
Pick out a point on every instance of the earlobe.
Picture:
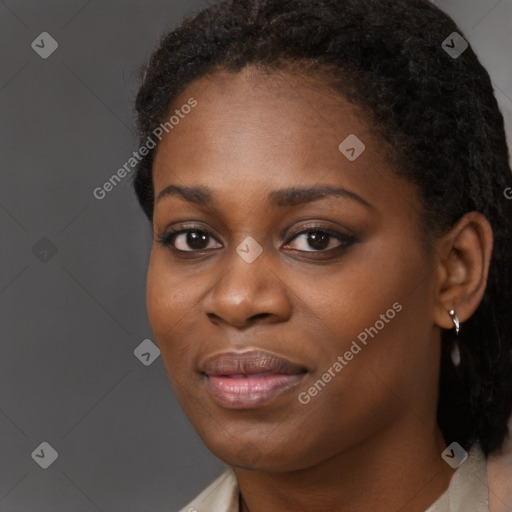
(463, 266)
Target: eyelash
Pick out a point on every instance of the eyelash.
(345, 240)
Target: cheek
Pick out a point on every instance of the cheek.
(170, 306)
(377, 307)
(353, 296)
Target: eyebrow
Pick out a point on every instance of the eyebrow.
(286, 197)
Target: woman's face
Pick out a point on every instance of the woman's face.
(338, 285)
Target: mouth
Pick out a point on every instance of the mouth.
(251, 379)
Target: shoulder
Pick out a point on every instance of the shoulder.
(220, 496)
(468, 490)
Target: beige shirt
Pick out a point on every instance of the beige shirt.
(468, 490)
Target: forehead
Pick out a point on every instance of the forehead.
(280, 112)
(252, 132)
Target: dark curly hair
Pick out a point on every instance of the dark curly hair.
(438, 114)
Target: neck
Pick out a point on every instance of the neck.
(401, 471)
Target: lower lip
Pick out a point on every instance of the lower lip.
(249, 392)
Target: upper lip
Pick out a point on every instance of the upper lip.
(249, 363)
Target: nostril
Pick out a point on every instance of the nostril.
(213, 317)
(259, 315)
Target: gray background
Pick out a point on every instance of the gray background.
(70, 321)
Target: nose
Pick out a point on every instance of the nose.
(248, 293)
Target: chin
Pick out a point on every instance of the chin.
(260, 457)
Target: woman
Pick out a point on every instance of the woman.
(329, 283)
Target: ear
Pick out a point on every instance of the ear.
(463, 267)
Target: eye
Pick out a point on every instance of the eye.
(194, 239)
(191, 239)
(320, 239)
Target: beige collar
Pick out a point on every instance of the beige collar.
(468, 490)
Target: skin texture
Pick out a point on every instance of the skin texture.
(369, 440)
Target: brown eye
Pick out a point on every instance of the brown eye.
(188, 240)
(320, 240)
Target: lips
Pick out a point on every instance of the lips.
(249, 379)
(249, 363)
